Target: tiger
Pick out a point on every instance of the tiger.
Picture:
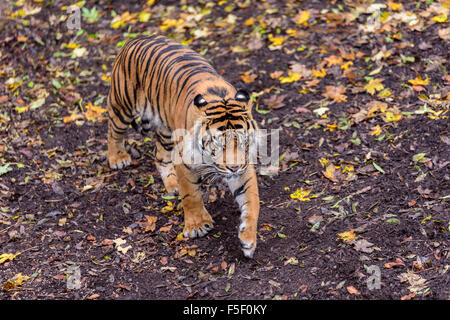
(160, 85)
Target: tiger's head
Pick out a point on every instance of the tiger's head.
(226, 134)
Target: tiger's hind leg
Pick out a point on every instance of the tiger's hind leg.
(118, 124)
(164, 148)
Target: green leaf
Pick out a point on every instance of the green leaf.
(281, 235)
(315, 227)
(378, 168)
(393, 220)
(420, 157)
(5, 169)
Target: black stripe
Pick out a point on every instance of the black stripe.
(241, 190)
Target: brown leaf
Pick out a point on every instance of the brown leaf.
(248, 76)
(408, 296)
(397, 263)
(300, 68)
(315, 219)
(330, 173)
(302, 110)
(363, 245)
(165, 228)
(275, 102)
(149, 224)
(335, 93)
(353, 290)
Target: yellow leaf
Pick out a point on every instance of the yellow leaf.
(302, 17)
(347, 236)
(7, 256)
(291, 32)
(376, 131)
(348, 168)
(248, 76)
(346, 65)
(392, 117)
(301, 194)
(21, 109)
(170, 23)
(418, 81)
(374, 85)
(385, 93)
(249, 22)
(144, 16)
(331, 127)
(276, 41)
(19, 279)
(394, 6)
(293, 76)
(94, 113)
(71, 45)
(441, 19)
(330, 172)
(319, 73)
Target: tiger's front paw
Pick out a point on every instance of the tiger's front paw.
(247, 235)
(171, 184)
(194, 229)
(119, 160)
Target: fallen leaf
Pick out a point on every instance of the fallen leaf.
(376, 131)
(292, 77)
(394, 264)
(291, 261)
(302, 17)
(408, 296)
(374, 85)
(353, 290)
(363, 245)
(119, 242)
(94, 113)
(275, 101)
(319, 73)
(7, 257)
(248, 77)
(347, 236)
(335, 93)
(301, 194)
(330, 173)
(418, 81)
(149, 224)
(416, 283)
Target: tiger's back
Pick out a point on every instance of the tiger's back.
(154, 78)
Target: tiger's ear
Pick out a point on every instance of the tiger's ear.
(242, 96)
(199, 101)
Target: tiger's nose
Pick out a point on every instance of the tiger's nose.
(234, 168)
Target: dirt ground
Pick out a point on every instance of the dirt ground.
(358, 210)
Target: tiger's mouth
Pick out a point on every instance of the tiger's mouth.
(231, 171)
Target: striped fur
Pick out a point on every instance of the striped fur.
(170, 87)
